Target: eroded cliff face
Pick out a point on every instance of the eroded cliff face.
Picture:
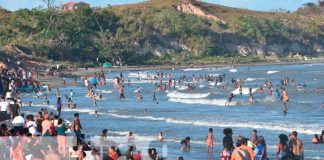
(289, 50)
(187, 7)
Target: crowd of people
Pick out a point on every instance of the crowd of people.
(44, 135)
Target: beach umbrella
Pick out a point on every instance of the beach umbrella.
(107, 65)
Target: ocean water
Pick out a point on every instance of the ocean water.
(181, 113)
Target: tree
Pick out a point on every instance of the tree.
(50, 3)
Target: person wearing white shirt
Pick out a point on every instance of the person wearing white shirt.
(31, 125)
(4, 106)
(18, 121)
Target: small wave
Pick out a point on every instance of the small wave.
(136, 117)
(304, 129)
(254, 79)
(233, 70)
(245, 90)
(104, 91)
(41, 105)
(301, 128)
(81, 110)
(182, 87)
(136, 90)
(272, 72)
(192, 69)
(187, 95)
(214, 83)
(142, 75)
(216, 102)
(214, 75)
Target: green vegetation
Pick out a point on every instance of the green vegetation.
(150, 35)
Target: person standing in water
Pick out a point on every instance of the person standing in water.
(230, 98)
(154, 98)
(71, 94)
(121, 93)
(296, 146)
(59, 106)
(76, 126)
(210, 140)
(285, 99)
(185, 143)
(86, 83)
(254, 137)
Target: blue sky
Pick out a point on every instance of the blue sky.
(260, 5)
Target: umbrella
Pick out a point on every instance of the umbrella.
(107, 65)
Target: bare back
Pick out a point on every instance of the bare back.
(296, 146)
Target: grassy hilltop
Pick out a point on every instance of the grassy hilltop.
(162, 32)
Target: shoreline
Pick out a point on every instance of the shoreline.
(82, 72)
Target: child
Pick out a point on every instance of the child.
(210, 139)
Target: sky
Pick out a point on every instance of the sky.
(259, 5)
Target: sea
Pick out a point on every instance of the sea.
(180, 113)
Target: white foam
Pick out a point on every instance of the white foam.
(245, 90)
(304, 129)
(214, 83)
(41, 105)
(176, 94)
(136, 90)
(214, 75)
(201, 86)
(272, 72)
(103, 91)
(81, 110)
(142, 75)
(192, 69)
(216, 102)
(273, 126)
(182, 87)
(254, 79)
(136, 117)
(233, 70)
